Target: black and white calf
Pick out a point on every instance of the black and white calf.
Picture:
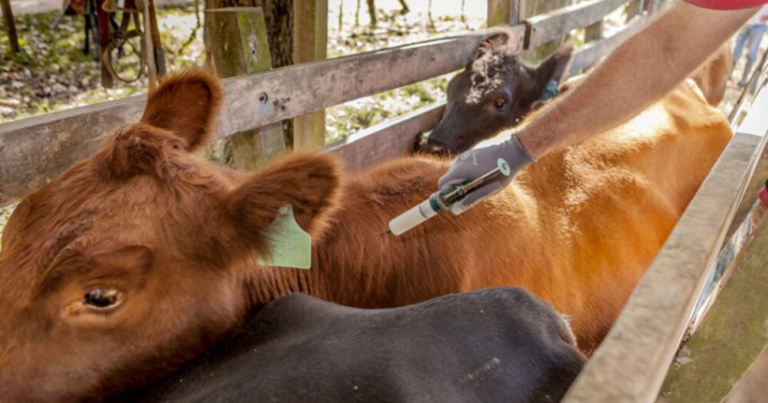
(493, 93)
(492, 345)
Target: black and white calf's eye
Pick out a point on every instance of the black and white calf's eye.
(102, 298)
(500, 103)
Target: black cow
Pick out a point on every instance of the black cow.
(492, 345)
(493, 93)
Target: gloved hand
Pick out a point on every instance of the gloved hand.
(473, 164)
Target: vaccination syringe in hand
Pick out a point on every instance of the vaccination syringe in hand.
(442, 200)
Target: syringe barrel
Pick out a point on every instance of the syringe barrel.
(413, 217)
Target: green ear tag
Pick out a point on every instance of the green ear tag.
(291, 246)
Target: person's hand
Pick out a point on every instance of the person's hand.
(475, 163)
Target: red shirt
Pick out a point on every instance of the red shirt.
(728, 4)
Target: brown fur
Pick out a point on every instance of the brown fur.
(178, 239)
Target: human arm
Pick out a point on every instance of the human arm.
(638, 73)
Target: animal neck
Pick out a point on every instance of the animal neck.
(355, 264)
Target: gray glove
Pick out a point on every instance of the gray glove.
(475, 163)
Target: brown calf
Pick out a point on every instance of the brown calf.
(139, 258)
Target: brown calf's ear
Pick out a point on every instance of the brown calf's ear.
(308, 182)
(186, 104)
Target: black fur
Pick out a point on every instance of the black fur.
(492, 345)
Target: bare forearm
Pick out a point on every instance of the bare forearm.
(638, 73)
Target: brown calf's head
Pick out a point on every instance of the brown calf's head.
(493, 93)
(140, 257)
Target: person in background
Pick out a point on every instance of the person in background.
(638, 73)
(751, 35)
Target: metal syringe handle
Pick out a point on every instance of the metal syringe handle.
(459, 191)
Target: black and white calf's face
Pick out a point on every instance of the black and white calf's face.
(493, 93)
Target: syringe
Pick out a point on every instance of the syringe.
(441, 201)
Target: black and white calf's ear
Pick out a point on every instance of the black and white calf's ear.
(552, 71)
(499, 40)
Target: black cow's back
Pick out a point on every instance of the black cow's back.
(492, 345)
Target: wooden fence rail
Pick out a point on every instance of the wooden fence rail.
(592, 52)
(35, 150)
(550, 26)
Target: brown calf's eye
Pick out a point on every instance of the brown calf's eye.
(500, 103)
(101, 299)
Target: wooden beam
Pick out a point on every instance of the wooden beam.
(550, 26)
(244, 30)
(591, 53)
(632, 361)
(35, 150)
(505, 12)
(310, 42)
(388, 140)
(10, 26)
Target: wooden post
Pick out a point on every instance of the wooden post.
(158, 54)
(310, 42)
(10, 26)
(105, 37)
(243, 32)
(505, 12)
